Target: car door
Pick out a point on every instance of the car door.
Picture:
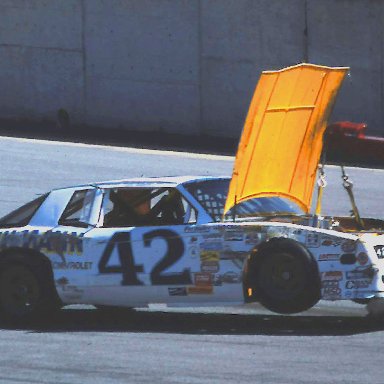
(153, 263)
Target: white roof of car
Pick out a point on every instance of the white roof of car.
(154, 182)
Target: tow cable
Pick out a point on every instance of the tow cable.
(348, 185)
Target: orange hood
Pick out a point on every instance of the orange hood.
(282, 139)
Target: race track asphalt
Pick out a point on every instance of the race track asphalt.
(332, 343)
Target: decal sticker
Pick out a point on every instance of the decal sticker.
(328, 241)
(210, 266)
(72, 292)
(312, 240)
(72, 265)
(178, 291)
(252, 238)
(217, 280)
(329, 257)
(357, 284)
(330, 288)
(209, 256)
(49, 242)
(193, 252)
(233, 235)
(349, 246)
(332, 275)
(362, 258)
(231, 277)
(229, 254)
(358, 274)
(213, 236)
(200, 290)
(197, 229)
(203, 279)
(331, 293)
(211, 246)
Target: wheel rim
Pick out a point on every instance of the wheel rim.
(19, 291)
(282, 276)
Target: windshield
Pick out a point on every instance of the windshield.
(212, 194)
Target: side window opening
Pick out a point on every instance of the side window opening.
(79, 208)
(127, 207)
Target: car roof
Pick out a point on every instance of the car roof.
(150, 182)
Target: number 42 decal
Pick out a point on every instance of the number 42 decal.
(128, 268)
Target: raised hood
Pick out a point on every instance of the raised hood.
(282, 139)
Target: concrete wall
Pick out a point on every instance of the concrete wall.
(184, 66)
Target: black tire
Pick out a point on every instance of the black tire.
(26, 293)
(285, 276)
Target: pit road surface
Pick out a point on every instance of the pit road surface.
(329, 344)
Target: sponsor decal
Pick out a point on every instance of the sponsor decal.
(330, 241)
(312, 240)
(362, 258)
(252, 238)
(49, 242)
(330, 284)
(229, 254)
(200, 290)
(71, 292)
(177, 291)
(196, 229)
(217, 280)
(210, 266)
(233, 236)
(332, 275)
(72, 265)
(359, 274)
(357, 284)
(213, 236)
(330, 288)
(203, 279)
(254, 228)
(209, 256)
(349, 246)
(211, 246)
(193, 252)
(231, 277)
(329, 257)
(331, 293)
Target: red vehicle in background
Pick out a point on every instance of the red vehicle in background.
(347, 142)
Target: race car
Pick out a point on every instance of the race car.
(187, 241)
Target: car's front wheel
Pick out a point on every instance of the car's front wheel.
(285, 277)
(24, 293)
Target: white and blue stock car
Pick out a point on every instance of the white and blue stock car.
(163, 240)
(188, 241)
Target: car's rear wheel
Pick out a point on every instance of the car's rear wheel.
(24, 293)
(285, 277)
